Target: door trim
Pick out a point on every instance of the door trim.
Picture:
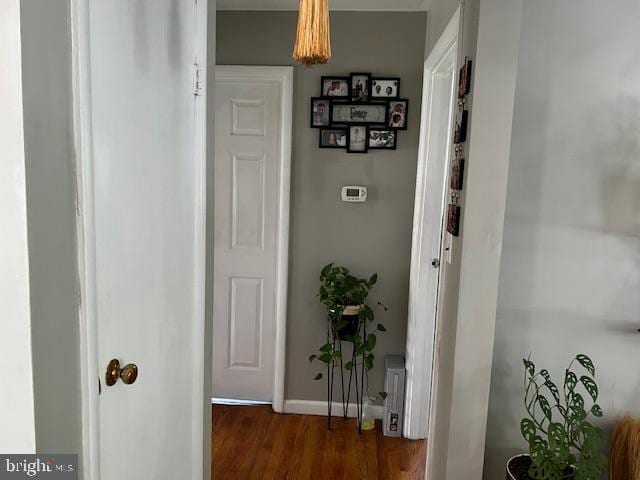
(422, 362)
(85, 234)
(284, 77)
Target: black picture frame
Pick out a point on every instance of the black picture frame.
(324, 130)
(353, 85)
(453, 219)
(457, 173)
(391, 122)
(312, 116)
(358, 118)
(328, 78)
(380, 81)
(365, 142)
(464, 78)
(391, 131)
(462, 119)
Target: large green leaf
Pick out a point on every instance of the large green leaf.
(368, 361)
(528, 429)
(327, 347)
(590, 386)
(558, 442)
(543, 403)
(553, 389)
(570, 380)
(576, 401)
(325, 270)
(326, 358)
(368, 313)
(371, 342)
(372, 281)
(586, 363)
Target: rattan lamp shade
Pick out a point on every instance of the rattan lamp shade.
(313, 40)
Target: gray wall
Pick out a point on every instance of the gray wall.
(370, 237)
(440, 12)
(46, 55)
(571, 257)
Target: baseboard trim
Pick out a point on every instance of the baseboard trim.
(314, 407)
(233, 401)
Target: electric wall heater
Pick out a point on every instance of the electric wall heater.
(394, 377)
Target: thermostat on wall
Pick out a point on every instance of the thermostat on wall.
(353, 193)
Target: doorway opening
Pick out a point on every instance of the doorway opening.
(433, 246)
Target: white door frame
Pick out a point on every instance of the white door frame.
(282, 76)
(85, 233)
(423, 295)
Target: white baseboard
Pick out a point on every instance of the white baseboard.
(313, 407)
(233, 401)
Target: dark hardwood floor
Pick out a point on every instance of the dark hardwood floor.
(255, 443)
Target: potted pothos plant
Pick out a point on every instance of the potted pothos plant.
(349, 318)
(563, 443)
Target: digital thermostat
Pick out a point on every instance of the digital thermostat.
(353, 193)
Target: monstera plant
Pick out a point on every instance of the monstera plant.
(563, 443)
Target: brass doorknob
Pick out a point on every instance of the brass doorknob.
(128, 374)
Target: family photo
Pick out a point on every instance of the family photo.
(382, 139)
(333, 138)
(335, 87)
(360, 87)
(357, 139)
(320, 111)
(398, 114)
(385, 88)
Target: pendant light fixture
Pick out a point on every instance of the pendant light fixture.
(313, 41)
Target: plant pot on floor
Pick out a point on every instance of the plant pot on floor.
(518, 468)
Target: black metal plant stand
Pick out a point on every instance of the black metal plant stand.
(358, 369)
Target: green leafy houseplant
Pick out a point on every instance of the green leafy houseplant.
(340, 289)
(562, 441)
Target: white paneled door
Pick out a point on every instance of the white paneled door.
(251, 202)
(143, 205)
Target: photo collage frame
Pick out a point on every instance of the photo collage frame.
(359, 112)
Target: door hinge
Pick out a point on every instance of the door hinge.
(198, 87)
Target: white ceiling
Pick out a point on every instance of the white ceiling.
(334, 5)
